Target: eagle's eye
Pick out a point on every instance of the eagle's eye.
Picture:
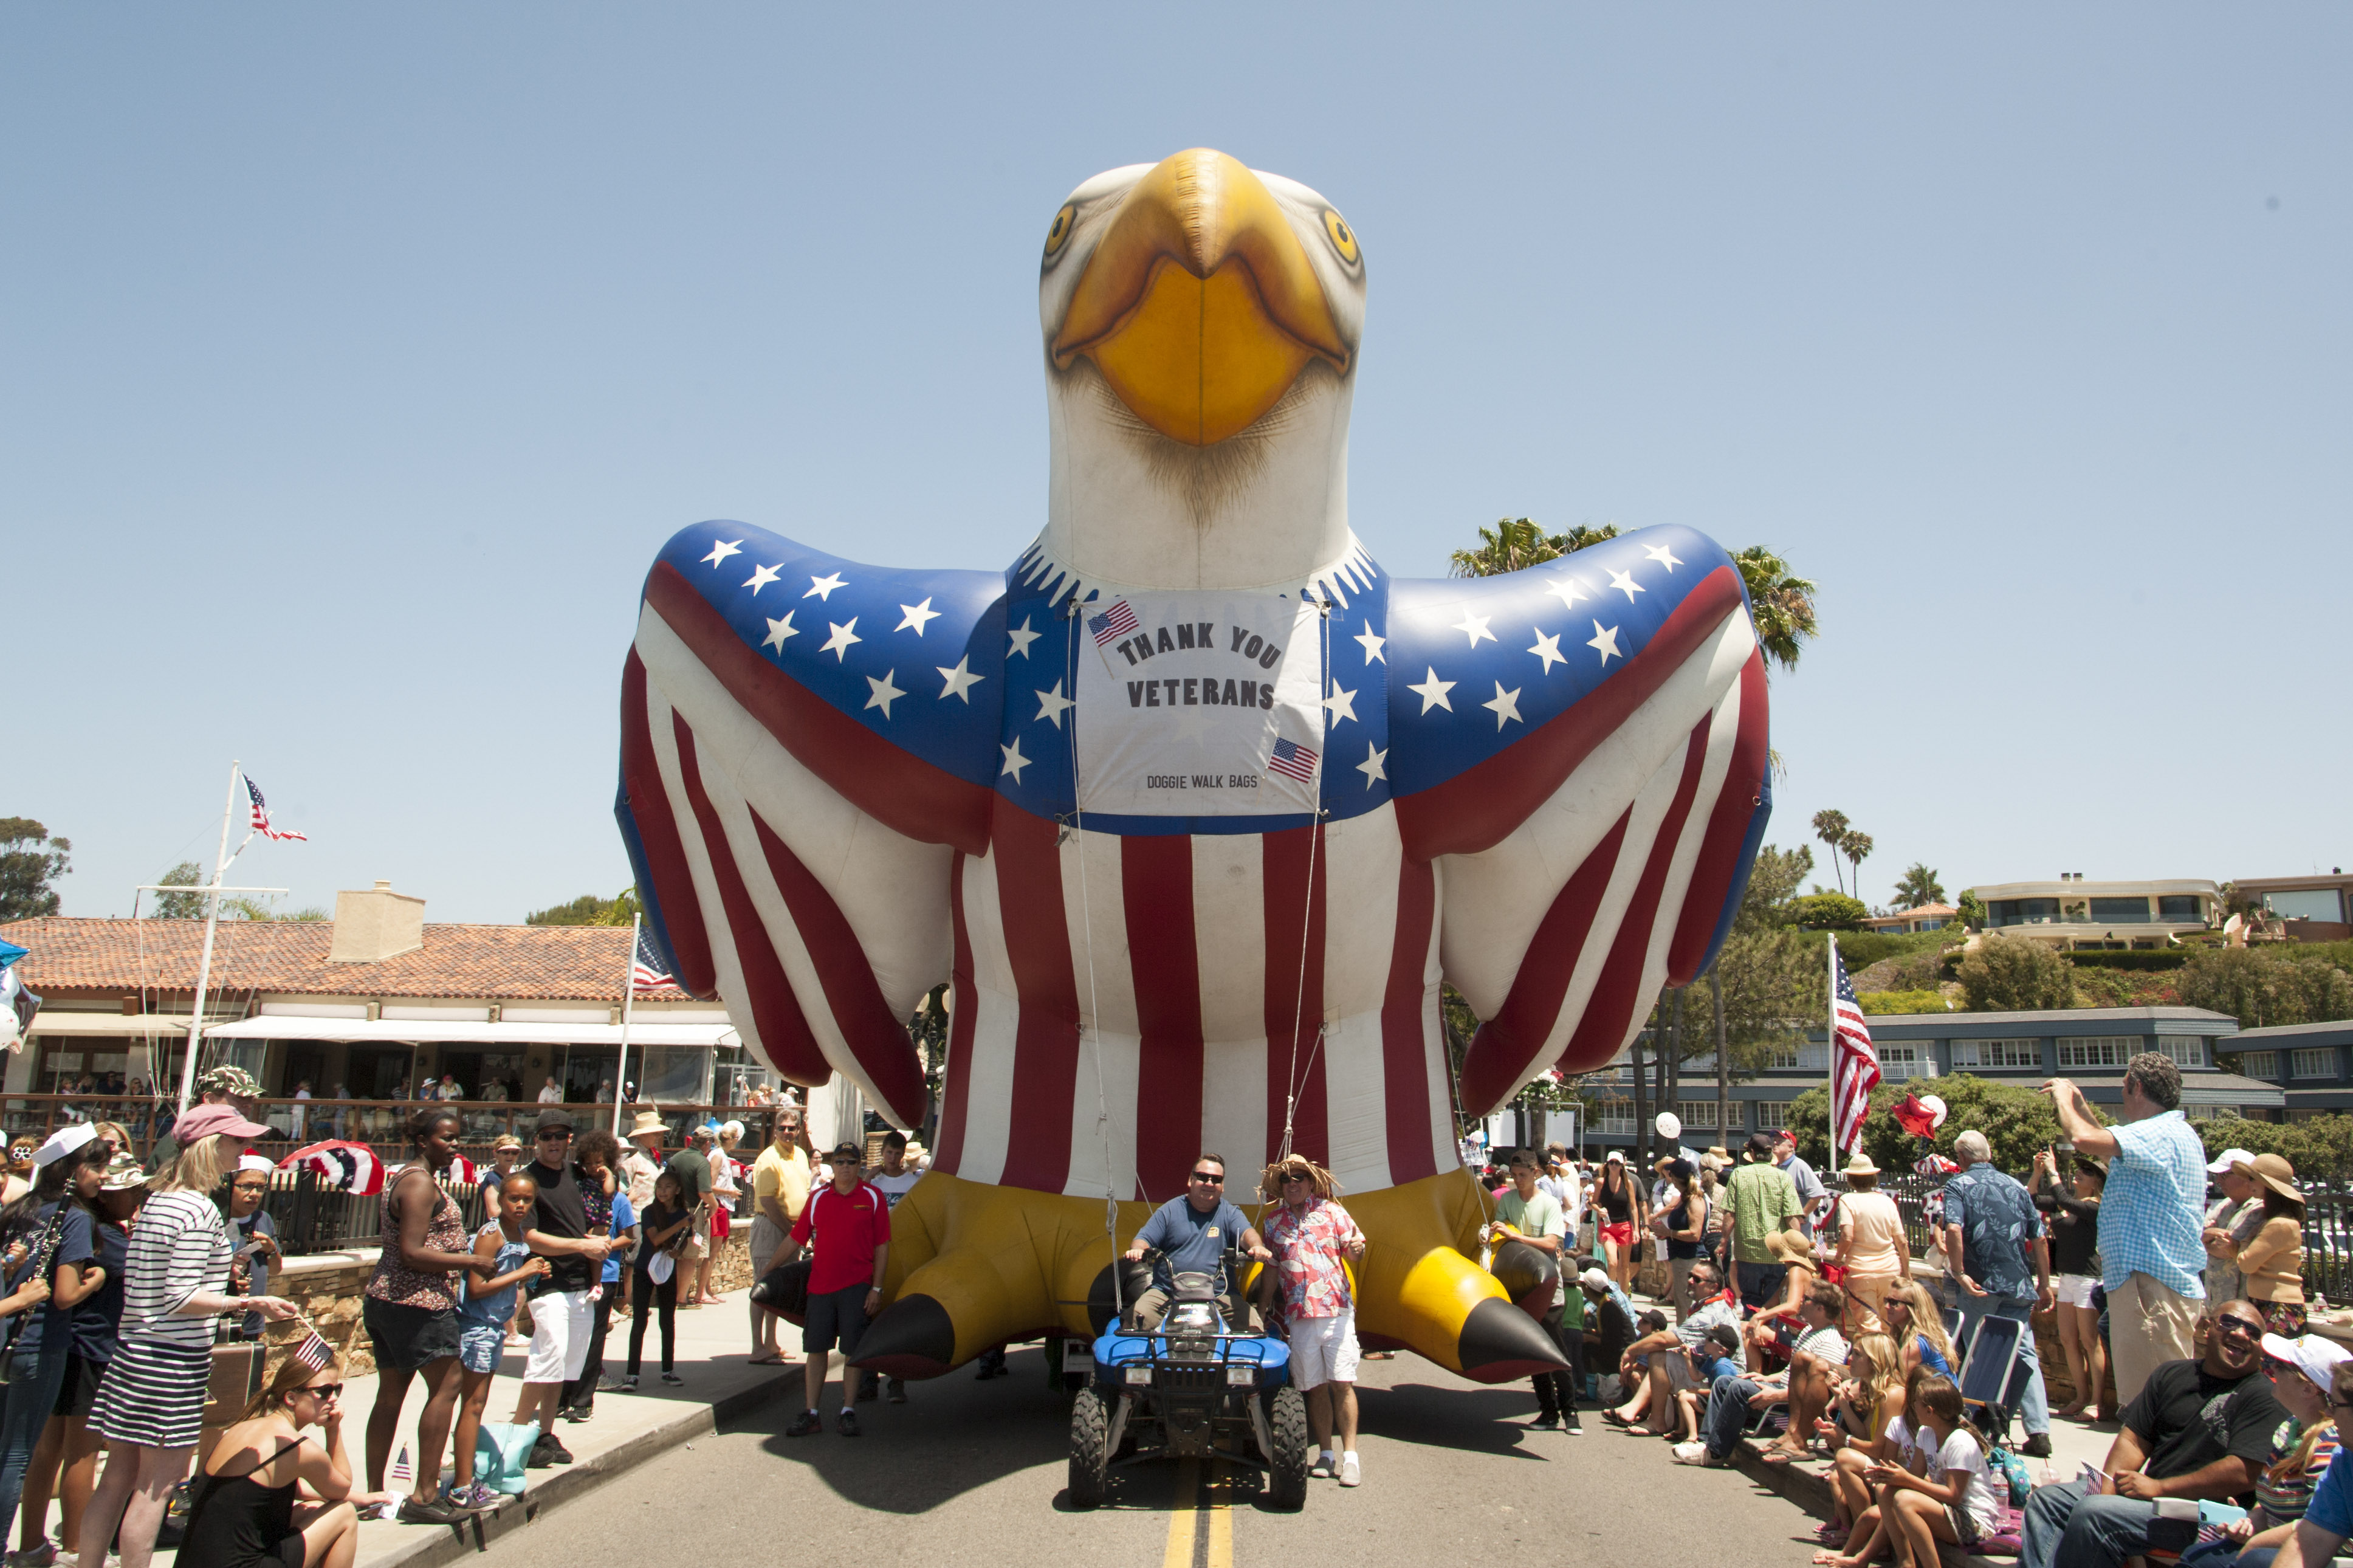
(1343, 238)
(1060, 235)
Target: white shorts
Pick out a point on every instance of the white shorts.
(559, 1336)
(2074, 1289)
(1324, 1350)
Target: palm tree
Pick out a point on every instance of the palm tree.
(1514, 543)
(1855, 847)
(1782, 605)
(1830, 828)
(1918, 888)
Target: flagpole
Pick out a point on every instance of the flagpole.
(628, 995)
(205, 964)
(1830, 1038)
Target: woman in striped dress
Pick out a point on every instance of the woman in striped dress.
(150, 1402)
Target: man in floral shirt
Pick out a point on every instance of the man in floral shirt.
(1311, 1236)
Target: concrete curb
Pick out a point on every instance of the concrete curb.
(562, 1484)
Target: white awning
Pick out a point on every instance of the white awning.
(418, 1032)
(138, 1026)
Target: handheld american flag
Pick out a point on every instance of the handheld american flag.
(646, 972)
(314, 1352)
(1855, 1063)
(261, 817)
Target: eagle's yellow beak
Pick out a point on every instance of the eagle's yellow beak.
(1199, 306)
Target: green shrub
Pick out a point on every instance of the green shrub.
(2266, 987)
(2142, 959)
(1865, 948)
(2321, 1149)
(1829, 912)
(1902, 1001)
(2016, 1119)
(2016, 974)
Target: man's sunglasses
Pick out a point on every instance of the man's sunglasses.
(559, 1136)
(2239, 1327)
(1214, 1178)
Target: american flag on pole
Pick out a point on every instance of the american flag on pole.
(261, 817)
(1118, 621)
(1293, 761)
(646, 972)
(1855, 1063)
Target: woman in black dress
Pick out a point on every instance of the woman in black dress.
(242, 1512)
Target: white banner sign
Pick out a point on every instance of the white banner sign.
(1200, 704)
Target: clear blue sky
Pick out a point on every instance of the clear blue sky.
(357, 360)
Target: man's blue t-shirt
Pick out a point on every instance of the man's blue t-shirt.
(1191, 1242)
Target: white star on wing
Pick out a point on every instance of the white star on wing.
(1548, 648)
(1474, 627)
(1341, 705)
(1506, 705)
(1570, 590)
(821, 588)
(723, 548)
(885, 692)
(844, 634)
(1052, 704)
(1624, 583)
(1014, 761)
(1432, 692)
(763, 575)
(917, 615)
(1374, 767)
(1605, 640)
(960, 680)
(1373, 642)
(1663, 555)
(1022, 637)
(778, 631)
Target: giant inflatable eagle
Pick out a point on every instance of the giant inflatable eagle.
(1193, 805)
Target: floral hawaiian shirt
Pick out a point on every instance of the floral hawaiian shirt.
(1310, 1257)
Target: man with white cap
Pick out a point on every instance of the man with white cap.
(2231, 1220)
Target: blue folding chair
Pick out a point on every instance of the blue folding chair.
(1994, 1373)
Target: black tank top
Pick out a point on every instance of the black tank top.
(1616, 1203)
(235, 1522)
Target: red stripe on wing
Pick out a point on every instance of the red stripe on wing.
(895, 786)
(1504, 1049)
(650, 807)
(1727, 830)
(1046, 1035)
(1295, 1011)
(873, 1033)
(1163, 960)
(1618, 997)
(784, 1033)
(1478, 808)
(955, 1088)
(1405, 1048)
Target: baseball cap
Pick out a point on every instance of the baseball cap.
(125, 1172)
(2315, 1357)
(2229, 1157)
(206, 1121)
(1593, 1279)
(227, 1080)
(1613, 1158)
(551, 1120)
(846, 1150)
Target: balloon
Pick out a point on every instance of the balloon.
(1670, 1126)
(1193, 803)
(1920, 1115)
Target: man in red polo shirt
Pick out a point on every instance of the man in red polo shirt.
(850, 1223)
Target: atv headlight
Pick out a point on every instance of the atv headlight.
(1241, 1374)
(1139, 1377)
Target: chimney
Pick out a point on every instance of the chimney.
(377, 925)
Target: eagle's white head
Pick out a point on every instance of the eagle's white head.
(1201, 323)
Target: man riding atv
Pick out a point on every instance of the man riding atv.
(1192, 1233)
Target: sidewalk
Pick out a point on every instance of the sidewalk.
(712, 1345)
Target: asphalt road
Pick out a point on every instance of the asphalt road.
(974, 1472)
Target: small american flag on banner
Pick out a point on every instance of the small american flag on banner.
(1855, 1063)
(1293, 761)
(261, 817)
(646, 972)
(1118, 621)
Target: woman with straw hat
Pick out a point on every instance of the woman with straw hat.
(1871, 1245)
(2272, 1263)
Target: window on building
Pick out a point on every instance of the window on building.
(2259, 1064)
(2020, 911)
(2097, 1050)
(1772, 1116)
(1699, 1116)
(1782, 1056)
(1908, 1059)
(1996, 1054)
(1614, 1116)
(2314, 1062)
(2316, 903)
(2187, 1051)
(2119, 911)
(2178, 906)
(1938, 924)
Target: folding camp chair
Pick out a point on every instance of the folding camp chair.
(1993, 1373)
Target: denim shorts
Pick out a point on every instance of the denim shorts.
(480, 1346)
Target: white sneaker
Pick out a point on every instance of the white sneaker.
(1350, 1473)
(1690, 1453)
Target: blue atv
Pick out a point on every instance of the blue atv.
(1191, 1390)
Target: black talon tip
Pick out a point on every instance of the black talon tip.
(1500, 1343)
(915, 1337)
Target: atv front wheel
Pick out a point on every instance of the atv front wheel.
(1287, 1465)
(1090, 1448)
